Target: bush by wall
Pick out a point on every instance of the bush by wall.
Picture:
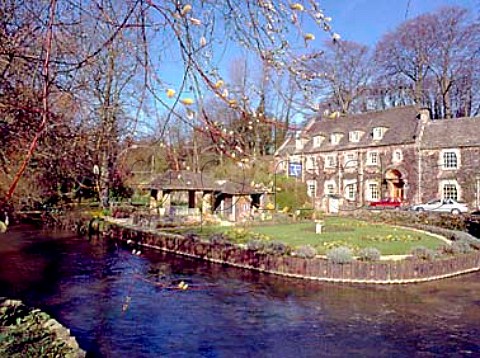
(422, 253)
(369, 254)
(306, 252)
(340, 255)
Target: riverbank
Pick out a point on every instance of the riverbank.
(411, 270)
(28, 332)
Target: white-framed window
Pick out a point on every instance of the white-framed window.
(350, 160)
(450, 190)
(450, 159)
(397, 156)
(310, 163)
(378, 133)
(350, 189)
(335, 138)
(373, 192)
(372, 158)
(354, 136)
(330, 161)
(312, 188)
(330, 187)
(317, 141)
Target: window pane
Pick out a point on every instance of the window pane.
(373, 189)
(449, 160)
(450, 191)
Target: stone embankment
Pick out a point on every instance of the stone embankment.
(27, 332)
(381, 272)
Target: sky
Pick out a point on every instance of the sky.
(363, 21)
(366, 21)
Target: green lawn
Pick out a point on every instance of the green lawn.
(337, 232)
(349, 232)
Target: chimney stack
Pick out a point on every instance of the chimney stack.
(424, 114)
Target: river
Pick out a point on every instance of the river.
(122, 305)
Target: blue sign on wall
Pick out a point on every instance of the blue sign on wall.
(295, 169)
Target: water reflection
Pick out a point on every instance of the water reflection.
(120, 304)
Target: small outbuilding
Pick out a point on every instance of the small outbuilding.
(185, 193)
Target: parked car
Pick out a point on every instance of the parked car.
(387, 203)
(442, 205)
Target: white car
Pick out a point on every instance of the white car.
(442, 205)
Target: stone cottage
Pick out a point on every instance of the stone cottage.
(185, 193)
(397, 153)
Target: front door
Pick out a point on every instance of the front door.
(395, 184)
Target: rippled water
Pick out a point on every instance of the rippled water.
(121, 305)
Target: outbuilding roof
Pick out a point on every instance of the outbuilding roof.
(183, 180)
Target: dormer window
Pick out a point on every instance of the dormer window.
(299, 141)
(378, 133)
(335, 138)
(317, 141)
(354, 136)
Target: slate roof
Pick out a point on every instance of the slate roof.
(451, 133)
(187, 180)
(402, 124)
(288, 146)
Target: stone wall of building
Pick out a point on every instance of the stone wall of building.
(466, 177)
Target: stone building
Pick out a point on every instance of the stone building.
(185, 193)
(397, 153)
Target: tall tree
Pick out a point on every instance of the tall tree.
(455, 56)
(437, 54)
(407, 52)
(344, 73)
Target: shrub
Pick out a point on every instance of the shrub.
(276, 248)
(474, 243)
(256, 245)
(306, 252)
(290, 193)
(461, 247)
(422, 253)
(340, 255)
(445, 250)
(238, 235)
(369, 254)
